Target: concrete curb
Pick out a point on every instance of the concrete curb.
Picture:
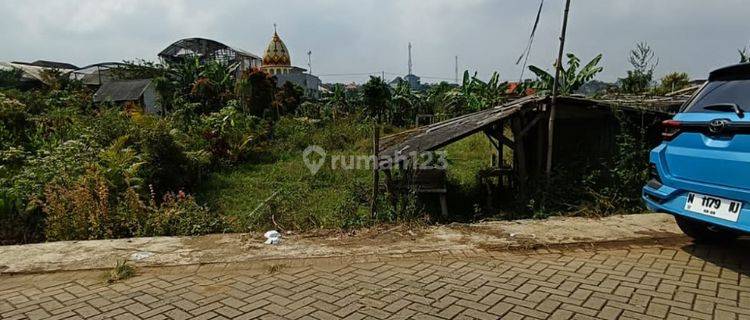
(510, 236)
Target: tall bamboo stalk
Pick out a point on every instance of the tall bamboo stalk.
(555, 85)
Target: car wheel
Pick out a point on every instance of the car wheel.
(704, 232)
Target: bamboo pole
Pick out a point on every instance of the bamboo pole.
(555, 85)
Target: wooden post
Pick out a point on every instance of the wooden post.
(539, 166)
(376, 166)
(500, 133)
(555, 85)
(500, 156)
(520, 155)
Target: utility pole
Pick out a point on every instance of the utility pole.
(555, 85)
(456, 69)
(309, 61)
(409, 58)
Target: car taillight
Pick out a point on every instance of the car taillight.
(653, 174)
(672, 128)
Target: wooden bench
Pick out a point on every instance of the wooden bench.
(432, 181)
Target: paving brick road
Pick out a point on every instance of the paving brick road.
(645, 281)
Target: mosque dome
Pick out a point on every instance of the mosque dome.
(276, 53)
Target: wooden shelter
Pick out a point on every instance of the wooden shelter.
(585, 130)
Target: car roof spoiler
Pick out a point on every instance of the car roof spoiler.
(734, 72)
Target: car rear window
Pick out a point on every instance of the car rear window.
(734, 91)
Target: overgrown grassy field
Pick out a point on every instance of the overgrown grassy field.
(281, 192)
(225, 154)
(284, 194)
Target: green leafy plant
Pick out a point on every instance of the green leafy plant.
(672, 82)
(122, 271)
(377, 96)
(231, 133)
(639, 79)
(404, 106)
(474, 94)
(571, 78)
(337, 103)
(256, 90)
(288, 98)
(10, 78)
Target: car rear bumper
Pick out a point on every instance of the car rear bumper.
(670, 200)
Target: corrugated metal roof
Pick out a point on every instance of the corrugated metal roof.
(53, 64)
(435, 136)
(442, 133)
(126, 90)
(32, 72)
(200, 47)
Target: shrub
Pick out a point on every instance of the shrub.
(10, 78)
(88, 209)
(168, 166)
(309, 109)
(256, 90)
(288, 98)
(672, 82)
(642, 60)
(67, 159)
(17, 223)
(80, 210)
(179, 214)
(231, 134)
(14, 121)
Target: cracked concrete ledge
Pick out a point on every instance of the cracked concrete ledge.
(229, 248)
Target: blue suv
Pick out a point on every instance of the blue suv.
(700, 173)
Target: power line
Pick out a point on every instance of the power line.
(437, 78)
(527, 50)
(349, 74)
(380, 73)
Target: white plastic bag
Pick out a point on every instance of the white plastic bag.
(272, 237)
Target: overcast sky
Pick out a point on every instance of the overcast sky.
(366, 36)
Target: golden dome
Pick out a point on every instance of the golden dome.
(276, 53)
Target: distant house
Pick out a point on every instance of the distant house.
(96, 74)
(412, 80)
(125, 92)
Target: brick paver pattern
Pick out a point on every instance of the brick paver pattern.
(633, 282)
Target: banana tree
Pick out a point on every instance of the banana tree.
(337, 101)
(571, 78)
(474, 94)
(405, 104)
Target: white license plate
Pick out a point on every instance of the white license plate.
(713, 206)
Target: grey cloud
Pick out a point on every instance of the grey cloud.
(361, 36)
